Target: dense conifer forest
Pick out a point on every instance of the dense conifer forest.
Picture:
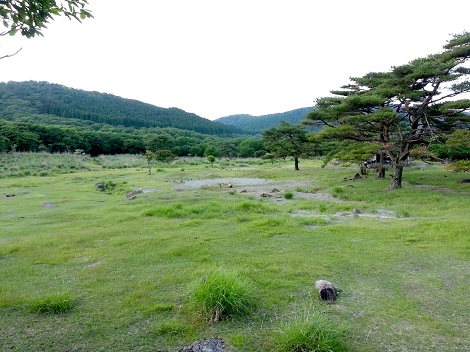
(40, 116)
(17, 98)
(257, 124)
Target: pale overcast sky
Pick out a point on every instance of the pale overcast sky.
(221, 57)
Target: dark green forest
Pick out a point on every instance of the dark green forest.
(39, 116)
(257, 124)
(44, 117)
(53, 99)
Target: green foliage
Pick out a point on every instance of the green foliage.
(211, 150)
(310, 332)
(257, 124)
(457, 145)
(211, 159)
(352, 152)
(251, 148)
(288, 195)
(109, 186)
(287, 140)
(164, 156)
(149, 156)
(30, 17)
(396, 110)
(54, 304)
(223, 294)
(48, 99)
(461, 165)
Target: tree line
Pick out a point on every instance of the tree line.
(30, 137)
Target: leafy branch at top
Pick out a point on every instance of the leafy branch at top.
(30, 17)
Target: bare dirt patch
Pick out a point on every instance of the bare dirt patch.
(435, 188)
(380, 214)
(258, 187)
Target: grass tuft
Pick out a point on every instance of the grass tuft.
(222, 294)
(311, 333)
(172, 328)
(289, 195)
(55, 304)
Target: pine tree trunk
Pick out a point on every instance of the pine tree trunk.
(381, 172)
(397, 176)
(381, 168)
(296, 163)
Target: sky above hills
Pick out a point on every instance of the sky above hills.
(216, 58)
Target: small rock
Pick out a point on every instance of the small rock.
(47, 205)
(206, 345)
(133, 194)
(101, 187)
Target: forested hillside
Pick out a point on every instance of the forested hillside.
(21, 99)
(39, 116)
(258, 124)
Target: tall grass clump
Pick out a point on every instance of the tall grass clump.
(289, 195)
(55, 304)
(223, 294)
(309, 333)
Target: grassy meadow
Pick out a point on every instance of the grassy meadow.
(84, 270)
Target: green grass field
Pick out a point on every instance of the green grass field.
(84, 270)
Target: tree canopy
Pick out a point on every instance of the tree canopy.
(287, 140)
(412, 105)
(30, 17)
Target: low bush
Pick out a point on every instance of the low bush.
(222, 294)
(55, 304)
(461, 165)
(311, 333)
(289, 195)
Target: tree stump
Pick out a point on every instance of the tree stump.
(326, 290)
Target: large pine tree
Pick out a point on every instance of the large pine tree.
(409, 106)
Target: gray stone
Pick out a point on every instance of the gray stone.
(206, 345)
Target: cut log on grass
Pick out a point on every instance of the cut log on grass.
(326, 290)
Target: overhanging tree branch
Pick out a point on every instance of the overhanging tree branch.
(10, 55)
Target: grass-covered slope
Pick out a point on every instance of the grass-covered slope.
(22, 99)
(85, 270)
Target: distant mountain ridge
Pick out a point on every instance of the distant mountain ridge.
(257, 124)
(18, 99)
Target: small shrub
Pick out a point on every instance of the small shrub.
(110, 185)
(461, 165)
(337, 191)
(56, 304)
(309, 333)
(289, 195)
(223, 294)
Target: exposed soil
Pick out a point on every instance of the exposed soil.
(258, 187)
(435, 188)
